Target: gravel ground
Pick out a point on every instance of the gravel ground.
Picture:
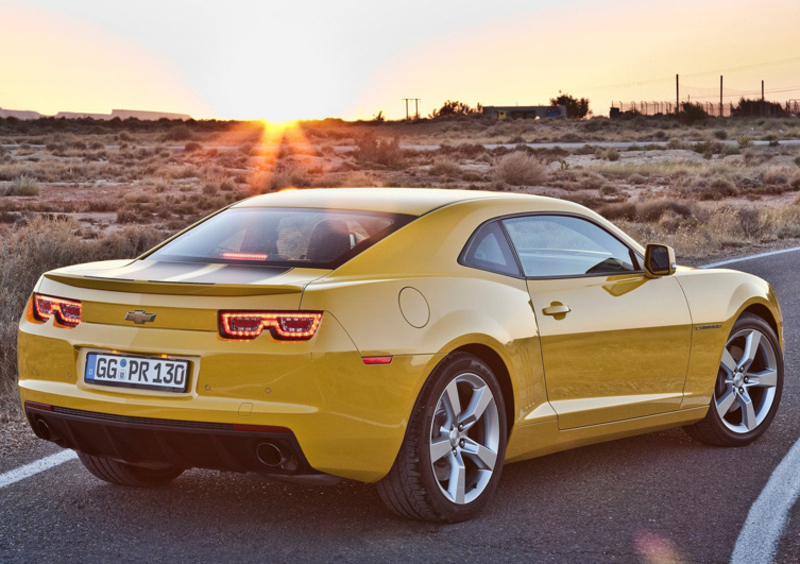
(15, 436)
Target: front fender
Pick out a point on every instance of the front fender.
(717, 298)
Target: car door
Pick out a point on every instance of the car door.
(615, 344)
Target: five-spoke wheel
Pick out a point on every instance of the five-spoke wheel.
(452, 455)
(748, 386)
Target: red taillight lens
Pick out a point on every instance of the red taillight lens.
(283, 326)
(67, 312)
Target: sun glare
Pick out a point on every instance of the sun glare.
(278, 140)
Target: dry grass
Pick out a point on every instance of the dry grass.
(522, 169)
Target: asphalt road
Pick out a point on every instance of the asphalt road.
(655, 498)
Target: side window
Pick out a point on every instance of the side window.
(554, 245)
(488, 249)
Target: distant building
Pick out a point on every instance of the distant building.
(525, 112)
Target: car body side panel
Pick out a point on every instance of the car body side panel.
(620, 353)
(717, 298)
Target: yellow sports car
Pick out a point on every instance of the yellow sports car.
(415, 338)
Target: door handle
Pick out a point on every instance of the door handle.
(557, 309)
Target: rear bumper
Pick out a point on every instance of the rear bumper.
(185, 444)
(347, 418)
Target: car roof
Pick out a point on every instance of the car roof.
(411, 201)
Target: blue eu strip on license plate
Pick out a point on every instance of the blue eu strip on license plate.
(148, 373)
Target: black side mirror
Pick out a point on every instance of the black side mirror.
(659, 260)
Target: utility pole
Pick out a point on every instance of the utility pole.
(416, 106)
(677, 97)
(720, 95)
(763, 108)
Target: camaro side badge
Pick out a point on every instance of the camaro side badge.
(714, 326)
(140, 317)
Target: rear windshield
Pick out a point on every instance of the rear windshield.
(314, 238)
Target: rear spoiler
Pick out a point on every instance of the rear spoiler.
(175, 288)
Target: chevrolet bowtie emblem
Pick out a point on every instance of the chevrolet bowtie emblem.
(140, 317)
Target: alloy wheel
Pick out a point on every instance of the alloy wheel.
(747, 381)
(465, 438)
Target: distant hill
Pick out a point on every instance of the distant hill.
(121, 114)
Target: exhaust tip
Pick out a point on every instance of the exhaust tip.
(43, 429)
(270, 455)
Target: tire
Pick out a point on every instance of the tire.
(131, 475)
(450, 461)
(748, 388)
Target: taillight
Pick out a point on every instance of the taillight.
(67, 312)
(283, 326)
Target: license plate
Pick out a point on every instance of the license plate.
(137, 372)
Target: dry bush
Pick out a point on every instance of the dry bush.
(775, 176)
(716, 188)
(374, 151)
(22, 186)
(219, 184)
(522, 169)
(637, 178)
(192, 146)
(591, 181)
(445, 167)
(9, 397)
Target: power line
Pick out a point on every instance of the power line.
(765, 64)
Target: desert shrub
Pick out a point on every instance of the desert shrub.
(674, 143)
(691, 113)
(707, 147)
(721, 134)
(23, 186)
(591, 181)
(618, 211)
(192, 146)
(744, 141)
(219, 184)
(654, 210)
(179, 133)
(750, 221)
(612, 154)
(521, 169)
(728, 150)
(794, 181)
(445, 167)
(716, 188)
(455, 108)
(775, 176)
(8, 370)
(283, 177)
(637, 178)
(385, 152)
(609, 190)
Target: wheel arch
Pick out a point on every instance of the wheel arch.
(764, 313)
(500, 370)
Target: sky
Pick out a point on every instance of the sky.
(311, 59)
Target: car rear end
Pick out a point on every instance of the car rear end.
(200, 355)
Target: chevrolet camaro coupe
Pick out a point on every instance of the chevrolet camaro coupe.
(415, 338)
